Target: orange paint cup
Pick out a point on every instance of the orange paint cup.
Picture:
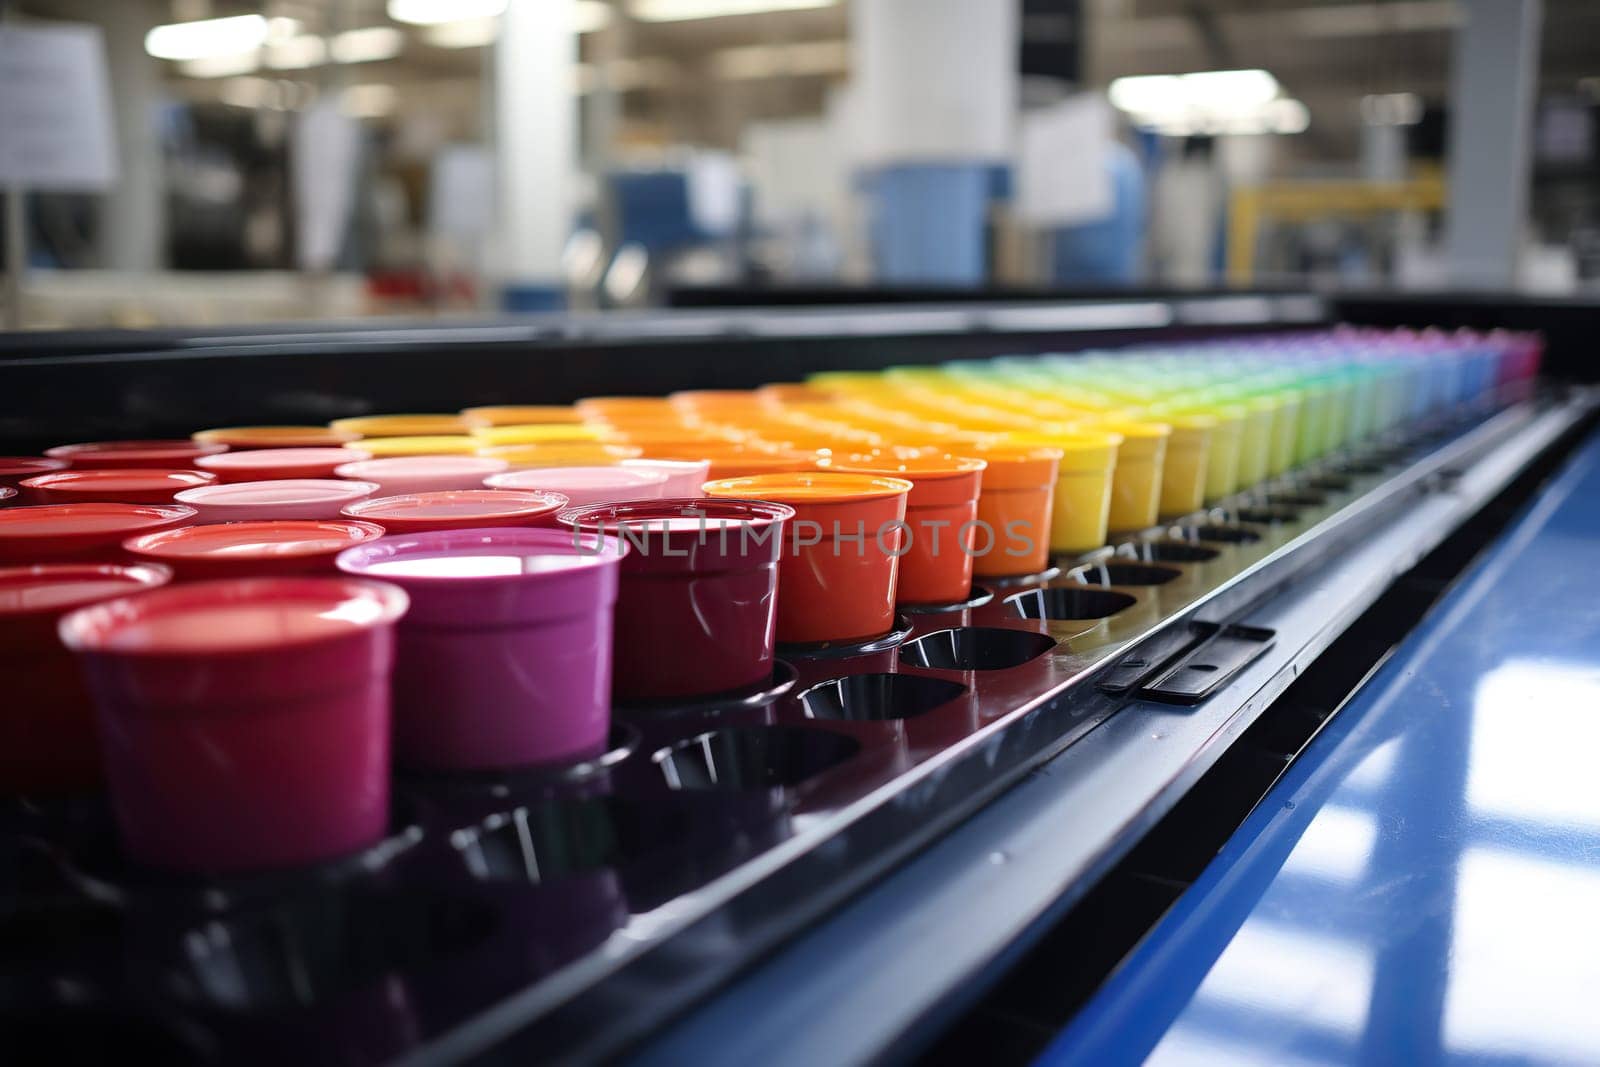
(519, 415)
(1018, 491)
(838, 571)
(941, 518)
(242, 438)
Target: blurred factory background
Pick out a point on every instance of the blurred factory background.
(271, 159)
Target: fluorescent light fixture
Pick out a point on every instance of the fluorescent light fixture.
(368, 101)
(207, 38)
(588, 16)
(769, 60)
(433, 12)
(467, 33)
(684, 10)
(1209, 102)
(367, 46)
(297, 53)
(223, 66)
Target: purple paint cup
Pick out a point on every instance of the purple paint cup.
(697, 611)
(504, 659)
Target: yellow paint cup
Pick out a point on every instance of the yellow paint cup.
(429, 445)
(1183, 479)
(534, 433)
(1136, 484)
(1081, 510)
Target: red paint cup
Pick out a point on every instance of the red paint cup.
(56, 533)
(245, 723)
(252, 549)
(586, 485)
(403, 475)
(464, 509)
(685, 477)
(14, 469)
(162, 455)
(698, 606)
(114, 485)
(47, 731)
(287, 498)
(505, 657)
(276, 464)
(837, 574)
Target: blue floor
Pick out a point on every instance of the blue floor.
(1423, 886)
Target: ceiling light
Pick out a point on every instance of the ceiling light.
(368, 45)
(684, 10)
(207, 37)
(467, 33)
(588, 16)
(433, 12)
(1209, 102)
(297, 53)
(223, 66)
(368, 101)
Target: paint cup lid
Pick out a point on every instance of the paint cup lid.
(53, 588)
(264, 461)
(430, 445)
(536, 433)
(519, 415)
(153, 453)
(274, 436)
(400, 425)
(821, 487)
(247, 499)
(685, 534)
(524, 575)
(87, 523)
(403, 467)
(106, 483)
(623, 483)
(28, 466)
(561, 453)
(265, 539)
(234, 616)
(458, 508)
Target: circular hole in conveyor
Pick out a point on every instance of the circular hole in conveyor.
(877, 697)
(1069, 601)
(539, 843)
(1267, 516)
(1131, 574)
(1165, 552)
(753, 757)
(976, 648)
(1221, 534)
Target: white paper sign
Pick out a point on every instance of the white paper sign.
(55, 109)
(461, 191)
(326, 145)
(1062, 176)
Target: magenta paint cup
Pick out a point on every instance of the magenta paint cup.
(312, 499)
(698, 606)
(585, 485)
(684, 476)
(244, 723)
(405, 475)
(505, 657)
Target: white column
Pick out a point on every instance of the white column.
(536, 135)
(1493, 82)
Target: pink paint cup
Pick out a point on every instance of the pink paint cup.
(287, 498)
(47, 734)
(505, 658)
(277, 464)
(586, 485)
(459, 509)
(402, 475)
(684, 476)
(244, 723)
(698, 606)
